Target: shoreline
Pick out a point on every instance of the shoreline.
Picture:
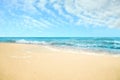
(35, 62)
(72, 49)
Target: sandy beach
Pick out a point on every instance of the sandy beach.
(36, 62)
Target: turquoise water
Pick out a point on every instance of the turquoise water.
(91, 43)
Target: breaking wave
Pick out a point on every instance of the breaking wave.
(105, 44)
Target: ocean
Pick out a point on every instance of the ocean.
(108, 44)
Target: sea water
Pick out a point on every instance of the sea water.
(109, 44)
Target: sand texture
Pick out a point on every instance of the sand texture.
(35, 62)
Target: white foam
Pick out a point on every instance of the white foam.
(118, 42)
(31, 42)
(51, 48)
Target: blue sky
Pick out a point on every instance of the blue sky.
(56, 18)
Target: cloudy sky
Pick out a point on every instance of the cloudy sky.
(73, 18)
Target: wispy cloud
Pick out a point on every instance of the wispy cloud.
(102, 12)
(30, 22)
(51, 13)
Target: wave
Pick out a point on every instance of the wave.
(30, 42)
(108, 44)
(84, 43)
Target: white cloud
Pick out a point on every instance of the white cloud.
(28, 6)
(25, 6)
(52, 1)
(31, 22)
(96, 12)
(102, 12)
(41, 4)
(90, 5)
(58, 7)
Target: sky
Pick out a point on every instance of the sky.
(59, 18)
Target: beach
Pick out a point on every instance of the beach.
(40, 62)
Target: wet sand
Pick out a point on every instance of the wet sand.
(37, 62)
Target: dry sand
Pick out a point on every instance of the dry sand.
(34, 62)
